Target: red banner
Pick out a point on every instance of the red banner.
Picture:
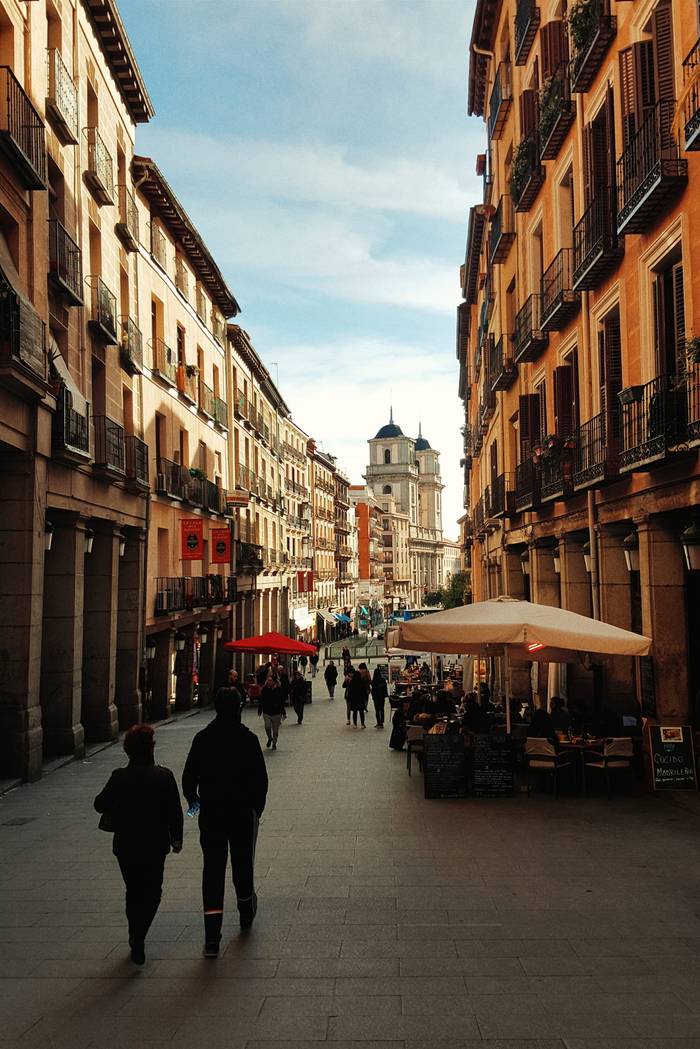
(309, 582)
(301, 582)
(192, 537)
(220, 546)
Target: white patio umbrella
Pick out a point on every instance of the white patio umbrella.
(521, 629)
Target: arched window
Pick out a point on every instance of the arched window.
(387, 455)
(386, 490)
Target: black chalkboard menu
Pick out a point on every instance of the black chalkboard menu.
(493, 764)
(384, 670)
(672, 757)
(444, 766)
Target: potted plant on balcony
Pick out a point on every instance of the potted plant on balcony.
(692, 348)
(191, 371)
(520, 167)
(550, 109)
(551, 446)
(581, 21)
(197, 474)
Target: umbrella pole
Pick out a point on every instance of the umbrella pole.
(506, 672)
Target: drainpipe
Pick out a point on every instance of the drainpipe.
(593, 540)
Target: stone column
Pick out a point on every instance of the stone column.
(575, 584)
(62, 638)
(664, 619)
(615, 608)
(543, 579)
(22, 541)
(160, 676)
(207, 657)
(514, 586)
(184, 661)
(99, 713)
(130, 620)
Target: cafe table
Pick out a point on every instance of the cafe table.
(577, 747)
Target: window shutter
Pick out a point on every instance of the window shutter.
(609, 113)
(540, 416)
(637, 84)
(555, 47)
(528, 111)
(528, 423)
(678, 317)
(612, 374)
(629, 107)
(659, 319)
(494, 461)
(563, 401)
(662, 40)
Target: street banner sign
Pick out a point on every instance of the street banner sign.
(192, 537)
(237, 498)
(220, 546)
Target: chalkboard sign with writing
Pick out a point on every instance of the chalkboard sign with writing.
(384, 670)
(444, 767)
(672, 757)
(493, 766)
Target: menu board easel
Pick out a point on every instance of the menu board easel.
(444, 766)
(672, 757)
(493, 766)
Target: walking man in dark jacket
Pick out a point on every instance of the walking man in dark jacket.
(143, 805)
(297, 692)
(225, 771)
(331, 676)
(272, 705)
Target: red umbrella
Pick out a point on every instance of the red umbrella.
(272, 644)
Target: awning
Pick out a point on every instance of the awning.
(342, 618)
(327, 617)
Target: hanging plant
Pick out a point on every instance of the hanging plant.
(551, 446)
(693, 349)
(582, 20)
(550, 108)
(520, 170)
(197, 474)
(191, 370)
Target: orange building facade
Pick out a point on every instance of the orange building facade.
(577, 336)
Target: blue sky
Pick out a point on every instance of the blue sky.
(322, 148)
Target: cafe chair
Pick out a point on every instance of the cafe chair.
(542, 758)
(617, 755)
(414, 745)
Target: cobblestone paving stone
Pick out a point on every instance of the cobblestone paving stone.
(385, 921)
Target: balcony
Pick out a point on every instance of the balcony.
(182, 282)
(692, 384)
(650, 173)
(556, 472)
(201, 303)
(559, 300)
(658, 417)
(249, 557)
(206, 399)
(501, 502)
(527, 173)
(62, 99)
(691, 103)
(527, 485)
(557, 112)
(527, 19)
(22, 133)
(487, 407)
(196, 591)
(221, 590)
(501, 100)
(70, 430)
(502, 232)
(110, 450)
(479, 519)
(170, 595)
(163, 361)
(597, 249)
(592, 30)
(99, 172)
(127, 227)
(65, 263)
(169, 479)
(530, 339)
(159, 246)
(195, 487)
(187, 381)
(214, 497)
(596, 451)
(502, 369)
(103, 311)
(218, 326)
(136, 463)
(22, 344)
(131, 346)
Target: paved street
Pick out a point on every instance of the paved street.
(384, 919)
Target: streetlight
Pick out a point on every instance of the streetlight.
(690, 539)
(122, 544)
(89, 540)
(203, 635)
(630, 545)
(525, 562)
(557, 560)
(587, 556)
(150, 651)
(48, 535)
(180, 641)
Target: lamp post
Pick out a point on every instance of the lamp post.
(48, 535)
(630, 545)
(180, 641)
(525, 562)
(122, 544)
(557, 560)
(690, 539)
(89, 540)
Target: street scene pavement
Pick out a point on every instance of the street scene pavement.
(384, 920)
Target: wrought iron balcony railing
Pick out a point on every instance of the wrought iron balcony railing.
(163, 361)
(659, 417)
(22, 133)
(650, 172)
(99, 173)
(597, 248)
(62, 99)
(170, 595)
(556, 473)
(530, 339)
(195, 488)
(170, 479)
(597, 444)
(249, 557)
(527, 485)
(527, 172)
(70, 429)
(559, 300)
(110, 449)
(206, 399)
(502, 231)
(501, 496)
(592, 30)
(131, 346)
(22, 341)
(691, 102)
(527, 19)
(127, 226)
(103, 310)
(557, 112)
(65, 263)
(502, 369)
(136, 461)
(501, 100)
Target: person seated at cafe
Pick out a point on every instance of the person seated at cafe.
(425, 674)
(516, 716)
(443, 703)
(561, 719)
(418, 704)
(398, 727)
(541, 726)
(476, 720)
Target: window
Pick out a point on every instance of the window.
(180, 345)
(565, 407)
(668, 299)
(599, 152)
(387, 455)
(610, 371)
(646, 74)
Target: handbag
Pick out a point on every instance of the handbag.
(106, 823)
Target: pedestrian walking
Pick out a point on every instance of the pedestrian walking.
(225, 771)
(366, 681)
(297, 692)
(313, 660)
(345, 655)
(271, 705)
(232, 685)
(141, 804)
(262, 672)
(331, 676)
(380, 692)
(302, 664)
(349, 674)
(357, 698)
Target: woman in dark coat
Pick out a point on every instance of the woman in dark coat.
(379, 695)
(357, 697)
(143, 805)
(398, 731)
(331, 676)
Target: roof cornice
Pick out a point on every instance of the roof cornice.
(116, 48)
(482, 39)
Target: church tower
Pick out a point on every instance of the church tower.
(392, 469)
(430, 485)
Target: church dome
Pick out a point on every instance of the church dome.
(421, 444)
(389, 430)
